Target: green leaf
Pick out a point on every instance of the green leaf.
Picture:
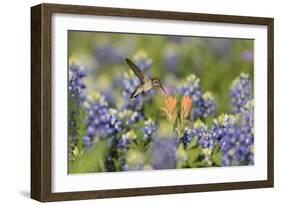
(193, 142)
(117, 164)
(80, 128)
(193, 152)
(209, 122)
(216, 155)
(193, 155)
(91, 161)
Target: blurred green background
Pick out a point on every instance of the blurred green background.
(215, 61)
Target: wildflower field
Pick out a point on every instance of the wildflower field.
(203, 118)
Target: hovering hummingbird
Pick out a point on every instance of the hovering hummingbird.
(146, 83)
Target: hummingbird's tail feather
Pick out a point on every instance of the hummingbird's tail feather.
(133, 96)
(135, 93)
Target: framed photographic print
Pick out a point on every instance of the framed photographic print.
(130, 102)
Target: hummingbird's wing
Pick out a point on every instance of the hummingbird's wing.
(141, 76)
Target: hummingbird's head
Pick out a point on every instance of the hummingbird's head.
(157, 83)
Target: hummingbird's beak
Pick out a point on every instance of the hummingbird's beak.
(162, 88)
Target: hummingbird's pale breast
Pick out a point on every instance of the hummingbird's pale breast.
(147, 85)
(142, 88)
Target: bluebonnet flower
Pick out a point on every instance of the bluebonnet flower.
(87, 141)
(236, 140)
(102, 121)
(148, 129)
(187, 137)
(123, 142)
(76, 98)
(164, 152)
(202, 105)
(209, 104)
(201, 131)
(122, 147)
(130, 117)
(240, 92)
(205, 138)
(76, 85)
(243, 105)
(247, 113)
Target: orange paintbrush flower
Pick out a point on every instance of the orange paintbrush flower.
(186, 104)
(170, 107)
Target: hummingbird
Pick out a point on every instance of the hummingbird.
(146, 83)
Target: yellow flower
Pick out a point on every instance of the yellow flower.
(186, 104)
(170, 108)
